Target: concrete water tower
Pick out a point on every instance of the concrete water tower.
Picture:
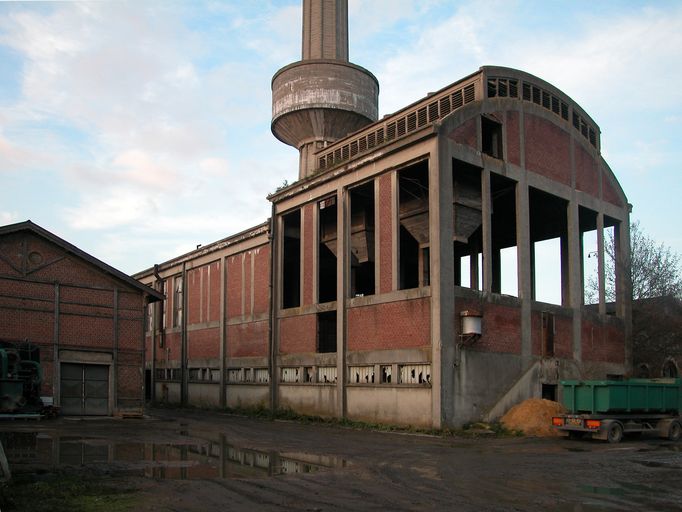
(323, 97)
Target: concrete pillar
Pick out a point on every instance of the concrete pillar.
(223, 329)
(575, 273)
(600, 263)
(442, 284)
(565, 269)
(624, 285)
(524, 263)
(487, 242)
(342, 265)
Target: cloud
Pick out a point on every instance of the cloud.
(8, 218)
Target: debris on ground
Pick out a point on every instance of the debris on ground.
(533, 417)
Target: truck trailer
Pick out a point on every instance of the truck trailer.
(611, 409)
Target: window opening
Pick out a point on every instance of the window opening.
(491, 137)
(549, 392)
(291, 264)
(467, 236)
(326, 262)
(177, 301)
(362, 262)
(549, 247)
(413, 211)
(326, 331)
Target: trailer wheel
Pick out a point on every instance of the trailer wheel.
(614, 434)
(675, 431)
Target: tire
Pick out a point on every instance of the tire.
(675, 431)
(614, 434)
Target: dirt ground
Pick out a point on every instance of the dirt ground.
(188, 460)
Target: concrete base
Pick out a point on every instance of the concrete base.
(401, 406)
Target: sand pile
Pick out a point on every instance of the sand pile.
(533, 417)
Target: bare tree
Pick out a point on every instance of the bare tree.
(655, 269)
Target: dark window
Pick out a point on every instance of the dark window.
(491, 135)
(291, 264)
(326, 331)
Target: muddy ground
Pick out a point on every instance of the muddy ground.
(188, 460)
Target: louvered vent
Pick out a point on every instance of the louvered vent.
(397, 127)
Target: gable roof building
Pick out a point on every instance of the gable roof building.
(83, 317)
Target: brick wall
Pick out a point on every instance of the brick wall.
(466, 133)
(298, 334)
(602, 342)
(203, 343)
(547, 149)
(501, 326)
(393, 325)
(586, 176)
(249, 339)
(609, 192)
(513, 137)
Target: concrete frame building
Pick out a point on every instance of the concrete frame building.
(83, 317)
(374, 291)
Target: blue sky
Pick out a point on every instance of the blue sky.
(137, 130)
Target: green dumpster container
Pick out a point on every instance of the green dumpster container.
(651, 396)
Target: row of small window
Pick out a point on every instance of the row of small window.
(259, 375)
(507, 88)
(366, 374)
(438, 108)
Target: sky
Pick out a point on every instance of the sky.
(138, 130)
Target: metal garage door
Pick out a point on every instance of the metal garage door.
(84, 389)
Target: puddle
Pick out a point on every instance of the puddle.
(184, 461)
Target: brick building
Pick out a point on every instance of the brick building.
(85, 318)
(374, 292)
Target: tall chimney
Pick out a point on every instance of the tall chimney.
(323, 97)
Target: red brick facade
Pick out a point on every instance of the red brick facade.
(63, 300)
(402, 324)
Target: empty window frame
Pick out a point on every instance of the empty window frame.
(326, 331)
(291, 259)
(503, 235)
(327, 250)
(549, 247)
(362, 261)
(413, 212)
(491, 137)
(589, 247)
(467, 223)
(178, 301)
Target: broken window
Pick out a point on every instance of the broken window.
(413, 213)
(491, 137)
(326, 262)
(291, 256)
(385, 371)
(362, 274)
(326, 331)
